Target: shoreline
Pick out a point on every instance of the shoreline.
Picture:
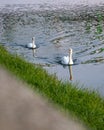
(79, 102)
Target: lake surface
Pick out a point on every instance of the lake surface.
(54, 2)
(56, 29)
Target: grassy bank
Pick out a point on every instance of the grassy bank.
(88, 106)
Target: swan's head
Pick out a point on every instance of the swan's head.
(70, 51)
(33, 38)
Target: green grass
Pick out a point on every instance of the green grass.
(86, 105)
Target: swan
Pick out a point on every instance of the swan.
(32, 45)
(67, 60)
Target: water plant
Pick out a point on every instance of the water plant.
(96, 22)
(99, 28)
(85, 104)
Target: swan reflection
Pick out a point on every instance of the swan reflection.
(70, 72)
(33, 51)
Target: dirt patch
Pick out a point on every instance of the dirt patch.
(21, 109)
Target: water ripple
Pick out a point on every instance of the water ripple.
(56, 30)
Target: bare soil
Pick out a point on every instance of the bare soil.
(23, 109)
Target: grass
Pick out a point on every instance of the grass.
(86, 105)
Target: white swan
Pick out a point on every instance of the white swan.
(32, 45)
(67, 60)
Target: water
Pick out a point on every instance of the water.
(55, 2)
(57, 28)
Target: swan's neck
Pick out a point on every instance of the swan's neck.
(33, 42)
(70, 59)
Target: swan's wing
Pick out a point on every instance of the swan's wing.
(65, 60)
(29, 45)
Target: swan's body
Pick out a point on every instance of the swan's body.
(67, 60)
(32, 45)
